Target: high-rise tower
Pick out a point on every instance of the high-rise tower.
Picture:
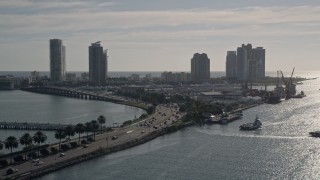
(57, 60)
(250, 63)
(200, 68)
(97, 64)
(231, 64)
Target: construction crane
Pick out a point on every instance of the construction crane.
(290, 87)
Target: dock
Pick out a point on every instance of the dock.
(32, 126)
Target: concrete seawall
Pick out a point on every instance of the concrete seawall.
(97, 153)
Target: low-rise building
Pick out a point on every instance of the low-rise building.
(6, 83)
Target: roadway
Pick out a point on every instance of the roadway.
(163, 116)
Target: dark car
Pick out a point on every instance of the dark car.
(11, 171)
(114, 137)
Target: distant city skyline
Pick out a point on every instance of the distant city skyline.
(159, 35)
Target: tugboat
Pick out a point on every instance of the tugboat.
(251, 126)
(315, 134)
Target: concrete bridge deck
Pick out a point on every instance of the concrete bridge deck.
(31, 126)
(74, 93)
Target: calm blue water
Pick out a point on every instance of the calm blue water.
(280, 150)
(21, 106)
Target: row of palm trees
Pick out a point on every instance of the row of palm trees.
(39, 137)
(80, 128)
(26, 139)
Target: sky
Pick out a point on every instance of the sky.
(159, 35)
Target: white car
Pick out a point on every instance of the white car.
(35, 160)
(39, 163)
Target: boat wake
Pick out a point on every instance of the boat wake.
(252, 134)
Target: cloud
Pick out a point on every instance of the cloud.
(198, 22)
(29, 25)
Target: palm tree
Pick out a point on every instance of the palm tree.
(69, 130)
(10, 143)
(39, 137)
(87, 128)
(101, 120)
(26, 140)
(79, 129)
(196, 111)
(60, 134)
(95, 127)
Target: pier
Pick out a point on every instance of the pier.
(32, 126)
(74, 93)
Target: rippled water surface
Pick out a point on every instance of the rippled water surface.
(280, 150)
(20, 106)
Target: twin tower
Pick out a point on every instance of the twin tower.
(98, 62)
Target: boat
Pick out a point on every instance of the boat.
(315, 134)
(252, 126)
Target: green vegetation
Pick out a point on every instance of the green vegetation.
(39, 137)
(1, 145)
(101, 120)
(69, 131)
(60, 134)
(150, 110)
(95, 127)
(146, 96)
(195, 110)
(10, 143)
(79, 128)
(26, 140)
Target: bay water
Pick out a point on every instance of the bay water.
(282, 149)
(21, 106)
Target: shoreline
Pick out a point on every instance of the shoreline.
(127, 137)
(143, 106)
(99, 152)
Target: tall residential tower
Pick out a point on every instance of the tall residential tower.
(57, 60)
(200, 68)
(250, 63)
(231, 65)
(97, 64)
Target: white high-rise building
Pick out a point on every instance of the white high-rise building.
(57, 60)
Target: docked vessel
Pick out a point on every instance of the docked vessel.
(315, 134)
(252, 126)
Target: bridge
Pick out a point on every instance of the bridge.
(74, 93)
(32, 126)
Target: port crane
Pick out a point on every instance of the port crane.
(290, 88)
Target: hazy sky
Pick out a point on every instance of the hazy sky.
(159, 35)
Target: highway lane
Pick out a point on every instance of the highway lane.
(162, 117)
